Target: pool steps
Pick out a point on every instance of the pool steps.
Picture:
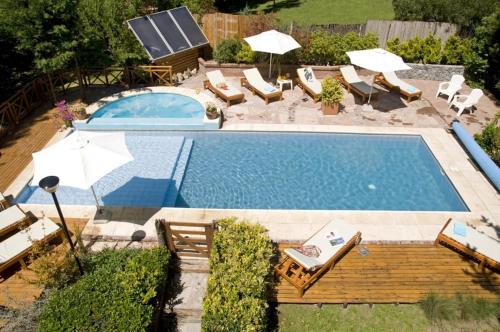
(178, 174)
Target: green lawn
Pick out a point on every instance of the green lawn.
(328, 11)
(382, 317)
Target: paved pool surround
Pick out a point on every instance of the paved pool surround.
(297, 225)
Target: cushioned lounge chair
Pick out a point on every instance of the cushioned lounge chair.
(255, 83)
(307, 81)
(15, 248)
(450, 88)
(12, 218)
(350, 79)
(470, 242)
(302, 271)
(462, 102)
(220, 87)
(392, 82)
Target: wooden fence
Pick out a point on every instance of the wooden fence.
(47, 87)
(220, 26)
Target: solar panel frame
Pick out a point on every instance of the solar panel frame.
(201, 38)
(171, 33)
(152, 33)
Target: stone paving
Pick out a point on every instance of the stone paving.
(389, 108)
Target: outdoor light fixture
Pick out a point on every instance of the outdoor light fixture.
(50, 185)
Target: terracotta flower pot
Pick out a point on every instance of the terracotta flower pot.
(330, 108)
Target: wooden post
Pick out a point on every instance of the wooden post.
(209, 233)
(160, 232)
(51, 87)
(80, 81)
(168, 234)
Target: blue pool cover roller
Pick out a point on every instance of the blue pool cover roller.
(482, 159)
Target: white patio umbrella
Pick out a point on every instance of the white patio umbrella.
(377, 60)
(81, 159)
(273, 42)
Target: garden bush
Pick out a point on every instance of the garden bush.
(417, 50)
(240, 274)
(117, 293)
(489, 139)
(245, 55)
(227, 50)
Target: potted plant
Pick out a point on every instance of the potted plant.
(331, 96)
(212, 111)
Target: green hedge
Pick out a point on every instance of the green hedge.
(116, 294)
(489, 139)
(240, 274)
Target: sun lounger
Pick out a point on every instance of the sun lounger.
(450, 88)
(3, 202)
(470, 242)
(461, 102)
(12, 218)
(350, 79)
(255, 83)
(308, 82)
(392, 82)
(15, 248)
(301, 270)
(224, 90)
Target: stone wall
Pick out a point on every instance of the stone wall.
(431, 72)
(419, 72)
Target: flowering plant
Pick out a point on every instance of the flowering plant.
(64, 112)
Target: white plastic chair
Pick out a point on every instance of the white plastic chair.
(468, 100)
(450, 88)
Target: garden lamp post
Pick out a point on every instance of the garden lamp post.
(50, 185)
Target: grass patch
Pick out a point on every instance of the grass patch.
(326, 12)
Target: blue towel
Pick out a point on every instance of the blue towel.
(411, 89)
(269, 89)
(460, 229)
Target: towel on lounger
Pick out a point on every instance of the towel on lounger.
(460, 229)
(269, 89)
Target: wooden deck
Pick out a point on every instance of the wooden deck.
(32, 135)
(396, 274)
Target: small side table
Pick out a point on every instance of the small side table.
(283, 82)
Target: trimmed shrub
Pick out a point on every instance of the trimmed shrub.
(456, 50)
(116, 294)
(489, 139)
(227, 50)
(240, 274)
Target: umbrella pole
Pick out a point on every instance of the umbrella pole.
(270, 64)
(99, 209)
(371, 89)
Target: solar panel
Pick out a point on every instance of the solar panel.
(171, 33)
(168, 32)
(149, 37)
(189, 26)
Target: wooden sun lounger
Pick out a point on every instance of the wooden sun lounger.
(474, 245)
(11, 219)
(221, 93)
(355, 85)
(303, 84)
(3, 202)
(17, 247)
(245, 81)
(401, 87)
(302, 276)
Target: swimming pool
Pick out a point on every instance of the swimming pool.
(152, 105)
(152, 108)
(250, 170)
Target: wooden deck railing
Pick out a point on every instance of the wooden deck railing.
(48, 86)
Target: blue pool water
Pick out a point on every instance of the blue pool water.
(275, 171)
(152, 105)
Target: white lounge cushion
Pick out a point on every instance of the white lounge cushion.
(319, 240)
(24, 239)
(216, 77)
(475, 240)
(255, 79)
(10, 216)
(396, 81)
(313, 84)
